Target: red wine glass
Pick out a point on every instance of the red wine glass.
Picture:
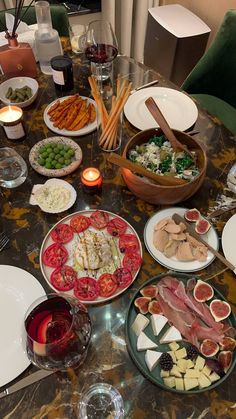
(101, 47)
(58, 331)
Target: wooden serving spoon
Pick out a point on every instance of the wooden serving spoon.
(136, 168)
(162, 122)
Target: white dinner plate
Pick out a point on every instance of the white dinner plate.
(116, 260)
(173, 263)
(179, 109)
(83, 131)
(18, 290)
(227, 240)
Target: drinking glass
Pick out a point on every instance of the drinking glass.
(58, 331)
(101, 48)
(13, 169)
(77, 35)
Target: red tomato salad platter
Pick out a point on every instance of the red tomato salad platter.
(93, 255)
(180, 333)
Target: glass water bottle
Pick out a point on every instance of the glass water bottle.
(47, 40)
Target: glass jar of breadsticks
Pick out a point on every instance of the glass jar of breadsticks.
(110, 115)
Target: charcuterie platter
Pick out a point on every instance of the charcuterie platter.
(180, 333)
(92, 255)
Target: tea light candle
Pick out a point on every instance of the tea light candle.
(91, 179)
(11, 121)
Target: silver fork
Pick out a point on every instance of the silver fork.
(3, 240)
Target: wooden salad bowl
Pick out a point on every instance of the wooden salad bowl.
(150, 191)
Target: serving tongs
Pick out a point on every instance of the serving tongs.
(136, 168)
(163, 124)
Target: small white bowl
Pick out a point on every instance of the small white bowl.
(54, 182)
(18, 82)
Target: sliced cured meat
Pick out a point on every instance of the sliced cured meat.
(62, 233)
(179, 236)
(99, 219)
(160, 239)
(169, 281)
(171, 248)
(184, 252)
(116, 227)
(128, 243)
(171, 299)
(172, 228)
(161, 224)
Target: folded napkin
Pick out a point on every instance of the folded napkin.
(25, 33)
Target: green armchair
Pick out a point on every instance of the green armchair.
(212, 82)
(60, 20)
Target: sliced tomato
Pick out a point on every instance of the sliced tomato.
(107, 285)
(128, 243)
(79, 223)
(86, 288)
(99, 219)
(116, 226)
(132, 262)
(123, 277)
(63, 278)
(55, 255)
(62, 233)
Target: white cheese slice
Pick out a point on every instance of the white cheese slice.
(171, 335)
(144, 343)
(158, 322)
(152, 358)
(139, 324)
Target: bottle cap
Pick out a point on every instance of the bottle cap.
(61, 62)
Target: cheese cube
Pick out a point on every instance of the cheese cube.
(169, 381)
(214, 377)
(200, 362)
(181, 353)
(173, 346)
(204, 381)
(190, 363)
(172, 354)
(152, 358)
(206, 370)
(190, 383)
(139, 324)
(182, 364)
(144, 343)
(192, 373)
(179, 384)
(158, 322)
(175, 371)
(164, 373)
(171, 335)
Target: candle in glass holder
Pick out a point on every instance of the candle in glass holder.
(92, 180)
(11, 119)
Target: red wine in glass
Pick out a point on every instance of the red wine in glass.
(58, 332)
(101, 53)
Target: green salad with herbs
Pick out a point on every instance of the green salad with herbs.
(158, 156)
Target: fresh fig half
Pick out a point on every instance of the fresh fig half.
(154, 307)
(149, 291)
(228, 344)
(142, 304)
(220, 310)
(202, 226)
(192, 215)
(203, 291)
(209, 348)
(225, 359)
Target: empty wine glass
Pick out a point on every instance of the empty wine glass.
(101, 48)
